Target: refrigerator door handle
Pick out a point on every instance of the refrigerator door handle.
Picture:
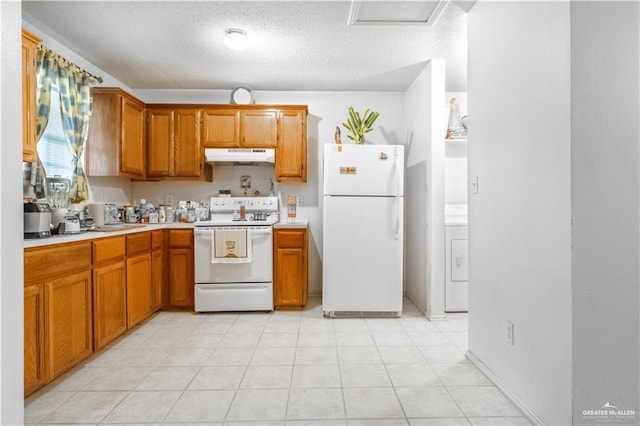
(398, 174)
(395, 226)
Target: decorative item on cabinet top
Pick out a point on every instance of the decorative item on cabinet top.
(359, 125)
(241, 95)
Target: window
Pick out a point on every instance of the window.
(53, 149)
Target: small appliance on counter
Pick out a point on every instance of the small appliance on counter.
(104, 213)
(70, 224)
(57, 192)
(37, 220)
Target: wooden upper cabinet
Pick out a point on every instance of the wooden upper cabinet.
(259, 128)
(291, 154)
(174, 143)
(116, 144)
(133, 144)
(160, 142)
(187, 147)
(249, 127)
(29, 86)
(221, 128)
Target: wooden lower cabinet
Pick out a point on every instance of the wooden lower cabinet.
(157, 279)
(69, 331)
(34, 376)
(290, 268)
(109, 303)
(139, 292)
(181, 267)
(181, 282)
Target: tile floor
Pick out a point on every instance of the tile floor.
(293, 368)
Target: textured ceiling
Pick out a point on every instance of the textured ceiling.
(295, 45)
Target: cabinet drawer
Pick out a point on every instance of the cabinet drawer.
(180, 238)
(156, 240)
(55, 260)
(109, 249)
(290, 238)
(137, 243)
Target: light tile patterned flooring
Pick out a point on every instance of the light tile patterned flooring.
(282, 368)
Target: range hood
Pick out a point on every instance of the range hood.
(240, 155)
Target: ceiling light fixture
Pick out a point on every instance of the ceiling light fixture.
(236, 39)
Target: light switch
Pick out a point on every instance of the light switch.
(474, 185)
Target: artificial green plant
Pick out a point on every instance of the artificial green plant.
(360, 125)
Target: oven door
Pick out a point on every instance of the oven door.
(258, 270)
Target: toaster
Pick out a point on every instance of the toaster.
(37, 220)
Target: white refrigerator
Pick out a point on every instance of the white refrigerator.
(362, 256)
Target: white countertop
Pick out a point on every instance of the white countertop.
(299, 223)
(90, 235)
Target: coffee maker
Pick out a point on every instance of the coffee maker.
(37, 219)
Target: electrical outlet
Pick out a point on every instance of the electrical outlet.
(510, 333)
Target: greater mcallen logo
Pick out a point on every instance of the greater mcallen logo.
(610, 413)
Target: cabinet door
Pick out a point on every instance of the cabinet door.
(220, 128)
(34, 376)
(258, 129)
(132, 135)
(68, 315)
(160, 133)
(157, 278)
(287, 288)
(29, 86)
(181, 282)
(139, 292)
(291, 154)
(187, 148)
(109, 303)
(290, 267)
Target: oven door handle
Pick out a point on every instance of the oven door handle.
(252, 232)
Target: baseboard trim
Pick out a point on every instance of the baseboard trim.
(436, 317)
(526, 411)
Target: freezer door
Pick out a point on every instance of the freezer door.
(376, 170)
(362, 254)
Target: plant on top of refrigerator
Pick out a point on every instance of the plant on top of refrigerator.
(360, 125)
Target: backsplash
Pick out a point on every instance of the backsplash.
(123, 191)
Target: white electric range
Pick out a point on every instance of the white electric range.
(234, 255)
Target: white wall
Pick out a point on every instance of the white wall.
(425, 121)
(326, 111)
(455, 159)
(11, 260)
(520, 221)
(605, 189)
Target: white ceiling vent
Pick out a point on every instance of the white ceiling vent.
(391, 12)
